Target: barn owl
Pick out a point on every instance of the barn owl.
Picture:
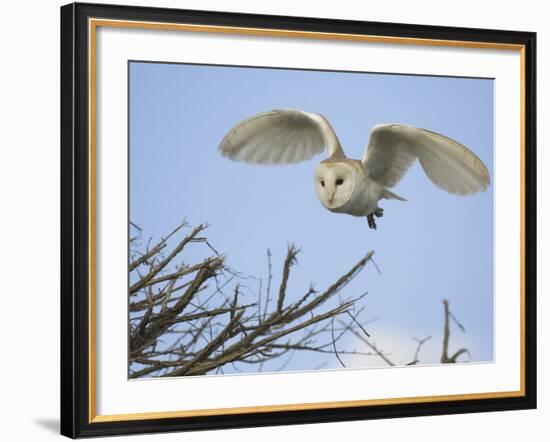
(345, 185)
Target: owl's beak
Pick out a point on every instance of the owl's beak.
(331, 198)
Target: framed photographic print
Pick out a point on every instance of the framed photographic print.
(273, 220)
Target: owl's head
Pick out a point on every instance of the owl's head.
(334, 183)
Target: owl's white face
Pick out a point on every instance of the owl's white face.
(334, 184)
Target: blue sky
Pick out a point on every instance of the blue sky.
(434, 246)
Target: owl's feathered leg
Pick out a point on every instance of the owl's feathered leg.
(371, 221)
(378, 213)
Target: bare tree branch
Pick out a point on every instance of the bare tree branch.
(289, 261)
(366, 341)
(179, 326)
(445, 358)
(420, 343)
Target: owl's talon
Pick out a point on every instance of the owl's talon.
(379, 213)
(371, 221)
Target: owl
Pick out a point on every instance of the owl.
(350, 186)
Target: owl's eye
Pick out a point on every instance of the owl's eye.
(322, 183)
(339, 181)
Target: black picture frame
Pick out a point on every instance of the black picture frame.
(75, 220)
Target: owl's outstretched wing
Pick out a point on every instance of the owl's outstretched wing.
(451, 166)
(280, 137)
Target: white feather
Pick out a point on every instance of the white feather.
(451, 166)
(280, 137)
